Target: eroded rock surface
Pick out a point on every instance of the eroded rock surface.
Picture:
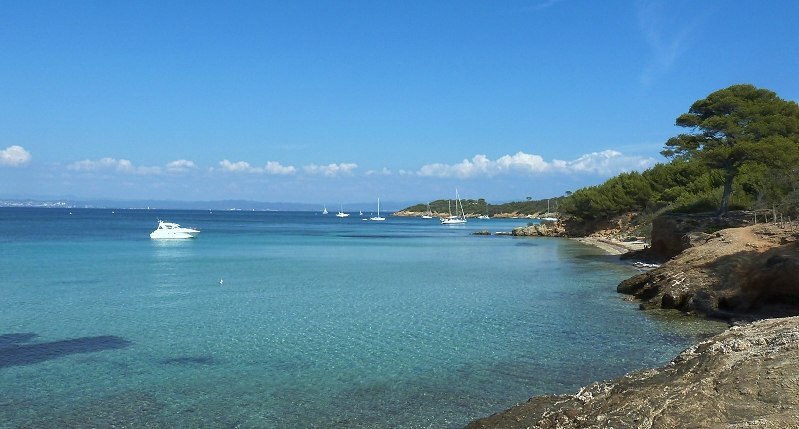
(543, 229)
(750, 272)
(745, 377)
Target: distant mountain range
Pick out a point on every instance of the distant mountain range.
(386, 206)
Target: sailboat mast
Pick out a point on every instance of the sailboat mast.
(458, 197)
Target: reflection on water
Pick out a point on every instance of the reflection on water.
(172, 244)
(166, 250)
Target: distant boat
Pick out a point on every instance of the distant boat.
(378, 212)
(341, 213)
(325, 210)
(429, 214)
(455, 219)
(548, 217)
(172, 230)
(483, 217)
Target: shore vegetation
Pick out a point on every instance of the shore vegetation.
(742, 153)
(480, 206)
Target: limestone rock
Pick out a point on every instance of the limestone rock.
(734, 273)
(544, 229)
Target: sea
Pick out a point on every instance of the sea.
(304, 320)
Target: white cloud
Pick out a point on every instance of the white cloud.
(480, 165)
(274, 167)
(107, 163)
(271, 167)
(606, 163)
(667, 41)
(14, 156)
(331, 170)
(180, 166)
(384, 172)
(603, 163)
(236, 167)
(126, 166)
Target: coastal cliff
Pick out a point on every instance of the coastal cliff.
(745, 377)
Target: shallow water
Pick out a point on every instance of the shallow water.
(318, 322)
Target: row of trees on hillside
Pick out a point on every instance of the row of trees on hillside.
(482, 207)
(741, 151)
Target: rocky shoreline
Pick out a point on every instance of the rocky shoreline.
(733, 274)
(744, 377)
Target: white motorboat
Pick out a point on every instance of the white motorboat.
(173, 230)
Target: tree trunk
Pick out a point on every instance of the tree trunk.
(725, 197)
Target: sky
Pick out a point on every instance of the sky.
(337, 102)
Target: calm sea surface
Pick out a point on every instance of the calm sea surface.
(318, 322)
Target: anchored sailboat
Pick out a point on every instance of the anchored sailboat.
(378, 218)
(429, 214)
(455, 219)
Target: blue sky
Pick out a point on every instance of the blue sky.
(346, 101)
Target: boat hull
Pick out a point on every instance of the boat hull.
(174, 235)
(170, 230)
(457, 221)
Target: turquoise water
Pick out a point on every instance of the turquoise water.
(319, 322)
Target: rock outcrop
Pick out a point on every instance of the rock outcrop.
(673, 233)
(745, 377)
(543, 229)
(750, 272)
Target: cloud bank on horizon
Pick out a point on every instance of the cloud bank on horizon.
(605, 163)
(507, 177)
(602, 164)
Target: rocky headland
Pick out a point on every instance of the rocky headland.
(746, 377)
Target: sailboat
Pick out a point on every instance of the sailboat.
(325, 210)
(378, 212)
(455, 219)
(429, 214)
(548, 217)
(341, 212)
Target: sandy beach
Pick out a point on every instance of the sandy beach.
(611, 246)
